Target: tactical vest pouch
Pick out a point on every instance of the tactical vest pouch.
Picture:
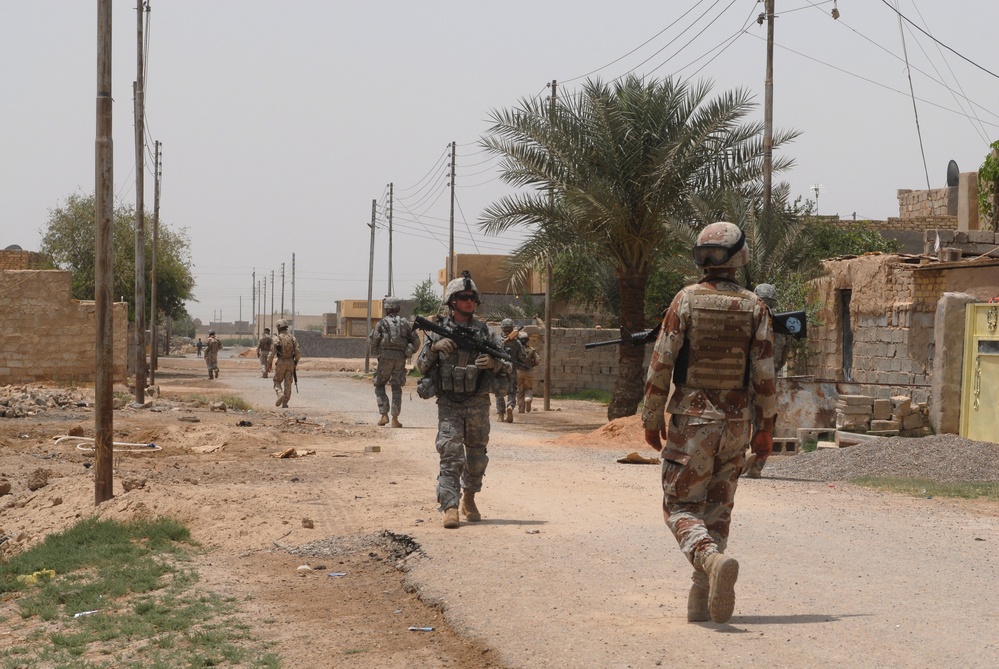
(426, 388)
(719, 348)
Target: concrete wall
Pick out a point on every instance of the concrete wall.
(935, 202)
(315, 345)
(48, 336)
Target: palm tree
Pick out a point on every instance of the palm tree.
(613, 173)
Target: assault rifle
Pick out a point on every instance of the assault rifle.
(467, 339)
(793, 323)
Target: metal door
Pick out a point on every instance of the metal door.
(980, 387)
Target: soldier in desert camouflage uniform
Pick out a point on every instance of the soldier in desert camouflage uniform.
(717, 348)
(393, 340)
(286, 353)
(264, 351)
(462, 381)
(525, 377)
(212, 348)
(506, 394)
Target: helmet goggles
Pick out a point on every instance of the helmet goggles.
(713, 255)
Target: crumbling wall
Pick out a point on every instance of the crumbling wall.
(48, 336)
(891, 320)
(935, 202)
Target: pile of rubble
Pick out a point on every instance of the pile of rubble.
(897, 416)
(21, 401)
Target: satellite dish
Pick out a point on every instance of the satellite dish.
(953, 174)
(13, 247)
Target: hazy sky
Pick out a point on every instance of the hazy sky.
(281, 121)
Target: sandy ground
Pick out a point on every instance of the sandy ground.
(571, 566)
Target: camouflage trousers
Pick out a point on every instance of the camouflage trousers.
(462, 437)
(263, 361)
(212, 362)
(525, 388)
(391, 370)
(283, 376)
(506, 395)
(702, 461)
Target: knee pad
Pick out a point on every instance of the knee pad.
(476, 461)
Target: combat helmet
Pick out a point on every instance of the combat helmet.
(767, 293)
(506, 325)
(721, 245)
(282, 325)
(462, 284)
(391, 305)
(211, 333)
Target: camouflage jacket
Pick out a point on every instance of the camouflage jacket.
(669, 352)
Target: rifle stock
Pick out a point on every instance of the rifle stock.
(793, 323)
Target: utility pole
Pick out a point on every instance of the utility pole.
(768, 115)
(548, 285)
(103, 213)
(371, 270)
(293, 292)
(272, 300)
(282, 290)
(240, 320)
(153, 312)
(253, 288)
(391, 198)
(140, 224)
(263, 303)
(449, 265)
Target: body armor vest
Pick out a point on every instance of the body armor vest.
(718, 340)
(394, 331)
(284, 346)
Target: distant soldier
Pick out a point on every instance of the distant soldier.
(525, 378)
(212, 348)
(506, 390)
(264, 350)
(393, 341)
(200, 345)
(285, 350)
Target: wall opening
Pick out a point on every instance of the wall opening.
(846, 334)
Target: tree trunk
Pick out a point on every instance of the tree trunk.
(629, 389)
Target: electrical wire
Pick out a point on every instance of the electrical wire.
(466, 224)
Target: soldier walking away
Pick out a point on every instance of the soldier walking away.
(287, 354)
(525, 378)
(461, 380)
(200, 345)
(393, 341)
(782, 348)
(264, 351)
(716, 347)
(506, 393)
(212, 348)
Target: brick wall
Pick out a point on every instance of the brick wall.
(48, 336)
(935, 202)
(19, 259)
(577, 368)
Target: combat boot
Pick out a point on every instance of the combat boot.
(697, 600)
(520, 407)
(451, 518)
(278, 401)
(527, 406)
(509, 414)
(395, 422)
(468, 507)
(722, 572)
(383, 420)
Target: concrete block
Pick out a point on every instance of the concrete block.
(815, 433)
(827, 444)
(882, 410)
(844, 438)
(913, 421)
(864, 400)
(880, 425)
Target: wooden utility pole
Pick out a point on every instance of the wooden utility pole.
(253, 280)
(548, 285)
(272, 300)
(103, 213)
(282, 290)
(391, 199)
(768, 115)
(449, 265)
(153, 312)
(293, 292)
(371, 275)
(140, 223)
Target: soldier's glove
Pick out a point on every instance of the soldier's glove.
(485, 361)
(444, 346)
(762, 444)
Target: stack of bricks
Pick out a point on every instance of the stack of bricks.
(854, 413)
(899, 416)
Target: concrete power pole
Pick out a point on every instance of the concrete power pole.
(391, 290)
(253, 289)
(371, 275)
(272, 300)
(548, 288)
(282, 290)
(103, 305)
(140, 225)
(153, 312)
(449, 265)
(768, 115)
(292, 292)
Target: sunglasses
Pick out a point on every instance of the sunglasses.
(465, 296)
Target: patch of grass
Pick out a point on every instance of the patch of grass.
(148, 612)
(927, 488)
(810, 446)
(235, 402)
(588, 394)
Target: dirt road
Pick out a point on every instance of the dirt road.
(572, 565)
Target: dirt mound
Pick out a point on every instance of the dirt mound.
(626, 433)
